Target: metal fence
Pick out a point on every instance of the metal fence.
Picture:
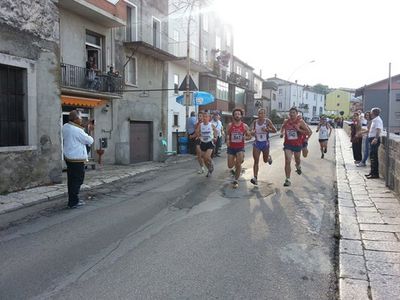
(95, 80)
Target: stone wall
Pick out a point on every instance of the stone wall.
(29, 40)
(394, 159)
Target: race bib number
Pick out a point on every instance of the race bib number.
(262, 137)
(237, 137)
(292, 134)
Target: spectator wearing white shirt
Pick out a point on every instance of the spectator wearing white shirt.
(375, 140)
(75, 140)
(218, 125)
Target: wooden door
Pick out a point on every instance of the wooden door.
(140, 142)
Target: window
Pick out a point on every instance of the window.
(131, 71)
(280, 91)
(156, 33)
(94, 49)
(280, 105)
(228, 38)
(131, 22)
(238, 70)
(176, 42)
(274, 97)
(205, 22)
(176, 83)
(397, 96)
(239, 96)
(205, 55)
(176, 119)
(13, 107)
(306, 95)
(222, 90)
(337, 96)
(314, 110)
(218, 42)
(246, 75)
(320, 110)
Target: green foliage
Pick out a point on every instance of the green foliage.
(275, 119)
(322, 89)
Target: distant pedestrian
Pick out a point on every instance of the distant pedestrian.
(374, 137)
(292, 130)
(207, 133)
(260, 128)
(355, 138)
(218, 125)
(325, 131)
(365, 142)
(75, 154)
(190, 130)
(237, 133)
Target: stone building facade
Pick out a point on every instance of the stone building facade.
(30, 142)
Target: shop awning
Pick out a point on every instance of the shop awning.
(80, 101)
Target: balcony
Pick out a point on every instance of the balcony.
(239, 80)
(82, 82)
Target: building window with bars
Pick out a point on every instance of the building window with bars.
(13, 106)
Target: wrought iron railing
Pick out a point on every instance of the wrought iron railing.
(89, 79)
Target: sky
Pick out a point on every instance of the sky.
(351, 42)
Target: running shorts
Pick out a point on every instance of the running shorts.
(262, 146)
(292, 148)
(234, 151)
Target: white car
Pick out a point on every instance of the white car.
(314, 121)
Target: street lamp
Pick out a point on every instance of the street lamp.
(299, 67)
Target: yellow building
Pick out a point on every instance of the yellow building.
(337, 101)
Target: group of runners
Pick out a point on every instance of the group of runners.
(294, 130)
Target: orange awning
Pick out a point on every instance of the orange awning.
(80, 101)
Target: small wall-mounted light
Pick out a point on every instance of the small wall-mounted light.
(105, 108)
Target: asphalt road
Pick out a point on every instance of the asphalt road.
(174, 234)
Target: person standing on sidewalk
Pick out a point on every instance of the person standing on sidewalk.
(292, 129)
(325, 131)
(260, 128)
(218, 125)
(355, 138)
(237, 132)
(75, 140)
(374, 137)
(367, 117)
(190, 130)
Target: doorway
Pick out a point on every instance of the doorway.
(140, 137)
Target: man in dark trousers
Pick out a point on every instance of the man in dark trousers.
(190, 130)
(75, 140)
(374, 138)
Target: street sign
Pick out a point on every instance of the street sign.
(192, 85)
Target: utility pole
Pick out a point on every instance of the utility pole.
(187, 96)
(387, 148)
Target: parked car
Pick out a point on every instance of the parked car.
(314, 121)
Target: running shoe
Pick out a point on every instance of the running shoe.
(287, 182)
(254, 181)
(201, 170)
(361, 164)
(322, 155)
(298, 170)
(325, 150)
(211, 169)
(235, 184)
(269, 159)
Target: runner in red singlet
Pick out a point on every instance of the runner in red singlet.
(305, 138)
(237, 132)
(292, 129)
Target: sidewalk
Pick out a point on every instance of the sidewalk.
(369, 218)
(22, 204)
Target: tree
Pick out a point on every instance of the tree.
(322, 89)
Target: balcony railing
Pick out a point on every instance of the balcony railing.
(231, 76)
(97, 81)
